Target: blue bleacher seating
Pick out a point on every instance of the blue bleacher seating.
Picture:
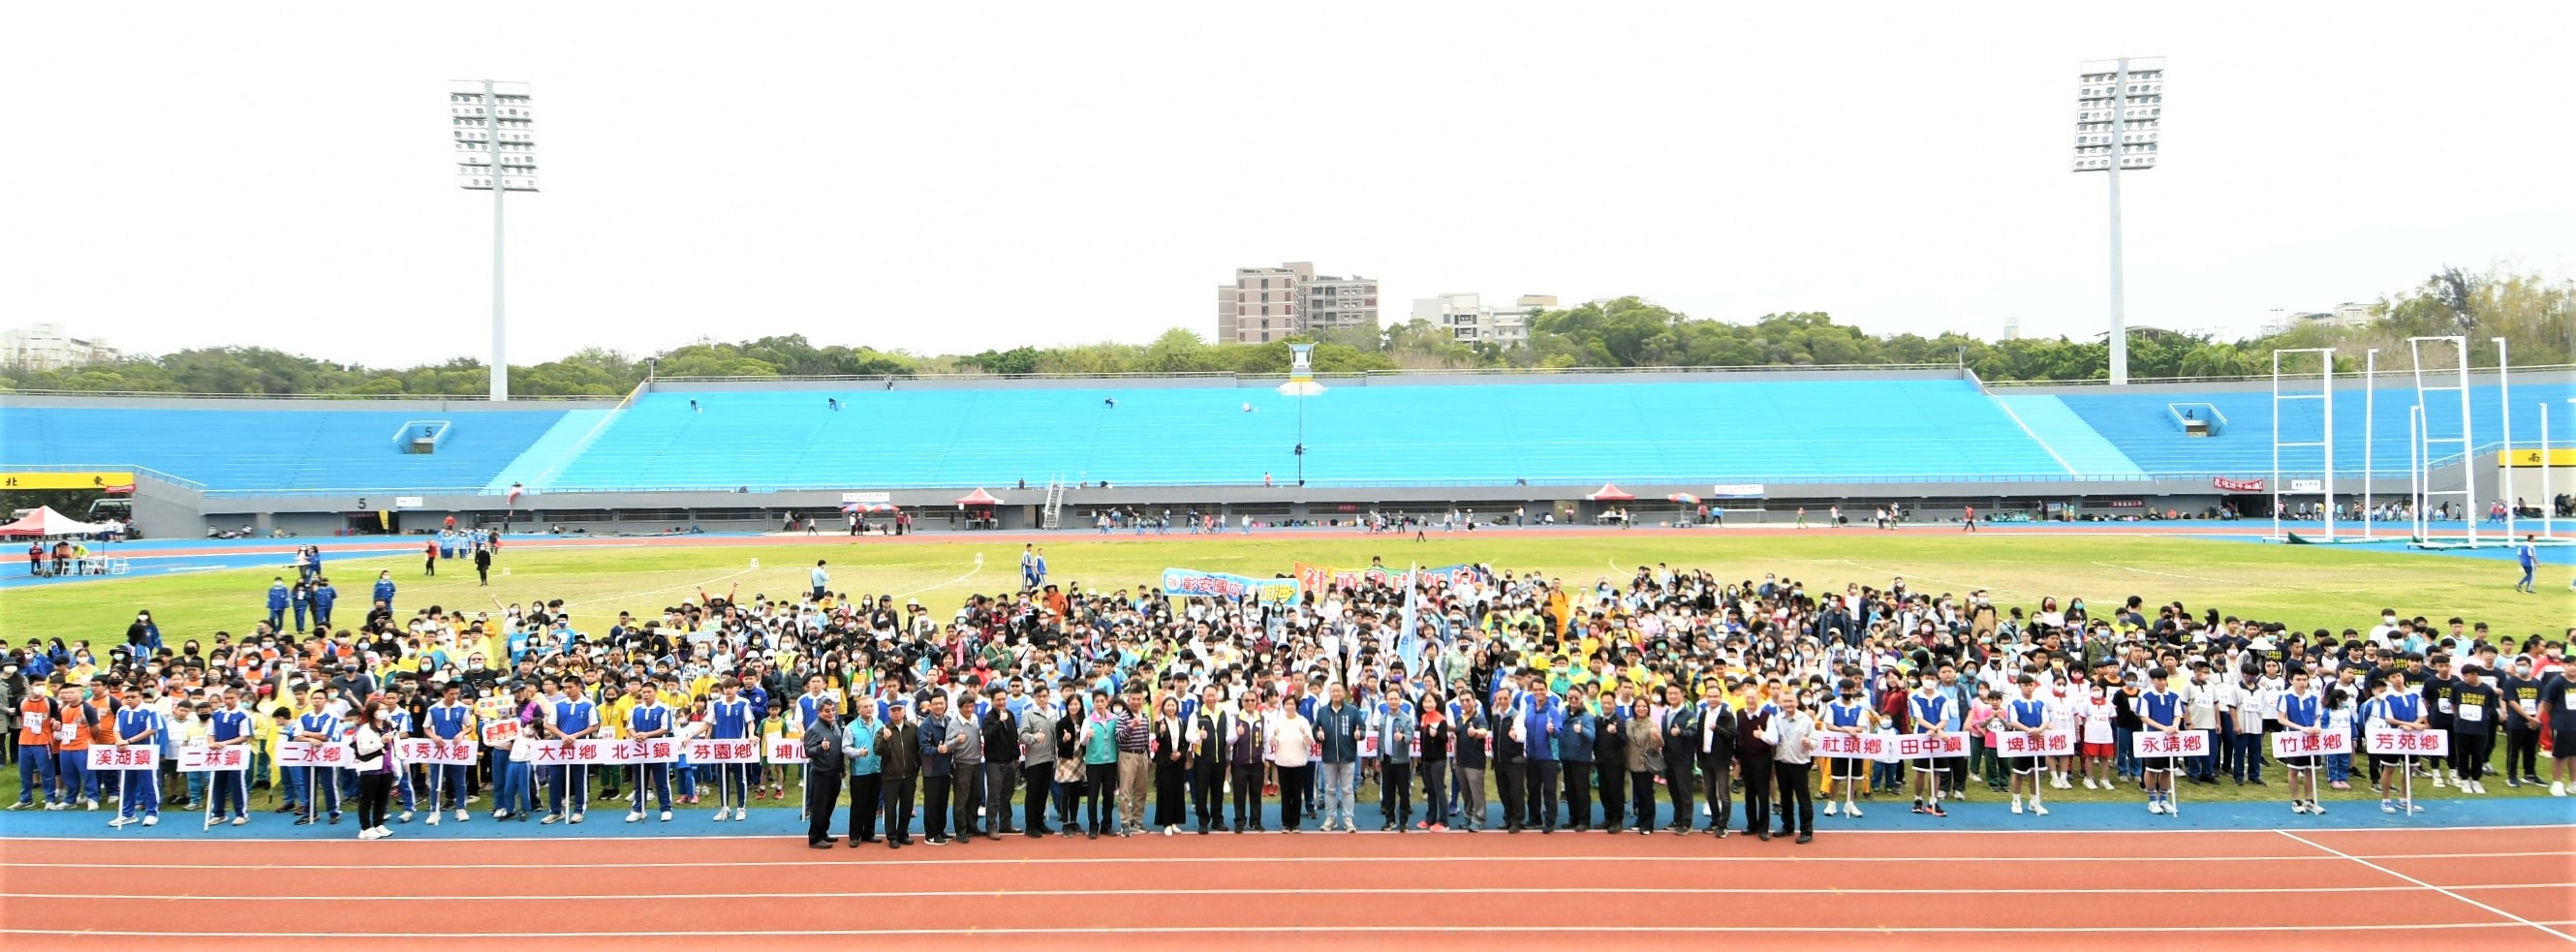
(322, 448)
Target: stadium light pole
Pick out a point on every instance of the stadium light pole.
(2369, 420)
(2504, 402)
(2119, 111)
(495, 151)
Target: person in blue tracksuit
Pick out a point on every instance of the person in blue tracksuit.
(730, 717)
(451, 719)
(2159, 710)
(384, 592)
(2027, 715)
(1541, 723)
(324, 596)
(317, 726)
(139, 726)
(2302, 711)
(647, 721)
(279, 597)
(229, 726)
(569, 718)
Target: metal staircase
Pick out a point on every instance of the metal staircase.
(1051, 516)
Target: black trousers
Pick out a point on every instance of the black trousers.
(1171, 793)
(2522, 752)
(1206, 780)
(1038, 779)
(1757, 793)
(2470, 752)
(1641, 794)
(1101, 785)
(822, 793)
(1507, 782)
(1578, 794)
(1435, 792)
(898, 808)
(1395, 792)
(866, 790)
(375, 790)
(1678, 786)
(1542, 794)
(1797, 808)
(1293, 783)
(1614, 798)
(1247, 794)
(934, 805)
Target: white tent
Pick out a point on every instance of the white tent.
(46, 522)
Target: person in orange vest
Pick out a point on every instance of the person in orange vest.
(74, 724)
(36, 773)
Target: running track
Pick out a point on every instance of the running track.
(2488, 888)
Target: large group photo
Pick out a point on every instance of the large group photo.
(652, 476)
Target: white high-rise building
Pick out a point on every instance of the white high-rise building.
(46, 347)
(1268, 304)
(1466, 317)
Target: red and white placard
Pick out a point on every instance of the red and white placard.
(786, 750)
(708, 750)
(299, 753)
(1927, 746)
(1865, 746)
(431, 750)
(2170, 743)
(205, 757)
(124, 757)
(2299, 743)
(2390, 742)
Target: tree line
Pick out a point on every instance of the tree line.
(2535, 314)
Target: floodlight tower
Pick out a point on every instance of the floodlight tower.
(496, 150)
(2119, 109)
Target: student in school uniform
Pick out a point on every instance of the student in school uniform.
(649, 719)
(2026, 715)
(2159, 709)
(2398, 707)
(140, 725)
(2302, 712)
(1930, 710)
(1847, 714)
(730, 717)
(2476, 706)
(314, 786)
(229, 726)
(452, 720)
(569, 718)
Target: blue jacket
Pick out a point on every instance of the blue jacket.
(1574, 742)
(385, 591)
(934, 734)
(277, 596)
(1338, 732)
(1542, 728)
(324, 595)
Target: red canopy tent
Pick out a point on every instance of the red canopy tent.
(1610, 493)
(46, 522)
(978, 498)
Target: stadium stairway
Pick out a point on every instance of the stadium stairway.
(547, 456)
(2075, 443)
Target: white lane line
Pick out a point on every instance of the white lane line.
(2196, 578)
(2439, 889)
(970, 573)
(1170, 860)
(1237, 930)
(630, 596)
(1295, 891)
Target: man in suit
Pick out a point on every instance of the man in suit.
(1681, 735)
(823, 765)
(966, 731)
(901, 747)
(1001, 743)
(938, 769)
(1509, 750)
(1037, 761)
(1716, 753)
(1208, 765)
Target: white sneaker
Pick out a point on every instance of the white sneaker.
(549, 819)
(2298, 806)
(2155, 806)
(405, 817)
(576, 818)
(2414, 808)
(2437, 781)
(635, 817)
(461, 815)
(2036, 808)
(742, 814)
(666, 816)
(241, 821)
(2088, 784)
(152, 820)
(118, 823)
(2387, 807)
(89, 804)
(1854, 810)
(2478, 787)
(2316, 808)
(2016, 804)
(433, 818)
(366, 834)
(1829, 808)
(2558, 789)
(211, 821)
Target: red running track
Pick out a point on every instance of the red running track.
(2491, 888)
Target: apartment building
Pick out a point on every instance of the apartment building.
(1267, 304)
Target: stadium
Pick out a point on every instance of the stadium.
(1754, 446)
(1753, 592)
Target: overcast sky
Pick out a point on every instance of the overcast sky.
(951, 177)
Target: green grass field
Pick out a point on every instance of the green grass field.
(2306, 587)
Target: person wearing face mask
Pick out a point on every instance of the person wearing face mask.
(1847, 714)
(373, 745)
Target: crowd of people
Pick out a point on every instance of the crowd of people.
(1464, 699)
